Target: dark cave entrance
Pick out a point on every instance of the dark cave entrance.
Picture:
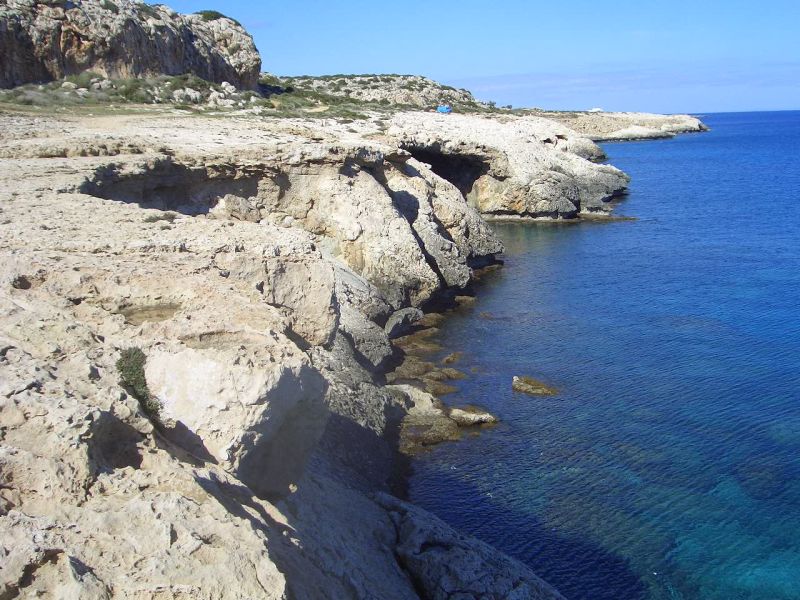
(462, 170)
(171, 186)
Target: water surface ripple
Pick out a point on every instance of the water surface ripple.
(667, 467)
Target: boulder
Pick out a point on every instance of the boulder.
(253, 406)
(467, 416)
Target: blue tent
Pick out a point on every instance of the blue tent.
(444, 109)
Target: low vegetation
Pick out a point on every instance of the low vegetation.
(91, 89)
(213, 15)
(130, 367)
(168, 216)
(110, 6)
(341, 97)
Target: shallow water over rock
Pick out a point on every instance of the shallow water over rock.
(666, 466)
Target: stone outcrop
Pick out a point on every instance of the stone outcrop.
(445, 564)
(394, 90)
(264, 268)
(622, 126)
(248, 280)
(512, 166)
(531, 386)
(45, 40)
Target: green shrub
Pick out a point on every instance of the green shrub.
(110, 6)
(149, 11)
(130, 367)
(164, 216)
(133, 90)
(84, 79)
(213, 15)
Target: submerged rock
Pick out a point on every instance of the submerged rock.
(452, 358)
(445, 564)
(429, 422)
(531, 386)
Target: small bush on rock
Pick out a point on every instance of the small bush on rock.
(213, 15)
(131, 371)
(149, 11)
(165, 216)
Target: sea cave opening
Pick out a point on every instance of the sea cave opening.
(462, 170)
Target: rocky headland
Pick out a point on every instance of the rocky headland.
(213, 321)
(626, 126)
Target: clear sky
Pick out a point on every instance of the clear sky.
(675, 56)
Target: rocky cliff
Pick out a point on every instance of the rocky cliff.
(259, 268)
(49, 39)
(197, 314)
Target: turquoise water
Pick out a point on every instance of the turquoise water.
(669, 465)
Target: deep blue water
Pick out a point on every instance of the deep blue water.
(669, 464)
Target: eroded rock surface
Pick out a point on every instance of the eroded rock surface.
(248, 280)
(614, 126)
(265, 269)
(512, 166)
(42, 41)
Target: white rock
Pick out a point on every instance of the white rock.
(513, 166)
(471, 416)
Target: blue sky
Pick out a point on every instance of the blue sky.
(676, 56)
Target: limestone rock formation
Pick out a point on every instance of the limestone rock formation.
(402, 228)
(620, 126)
(395, 90)
(263, 269)
(43, 40)
(512, 166)
(262, 316)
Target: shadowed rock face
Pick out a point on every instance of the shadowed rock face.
(42, 41)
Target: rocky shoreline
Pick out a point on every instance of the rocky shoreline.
(212, 333)
(626, 126)
(263, 267)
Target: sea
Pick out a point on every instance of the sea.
(668, 465)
